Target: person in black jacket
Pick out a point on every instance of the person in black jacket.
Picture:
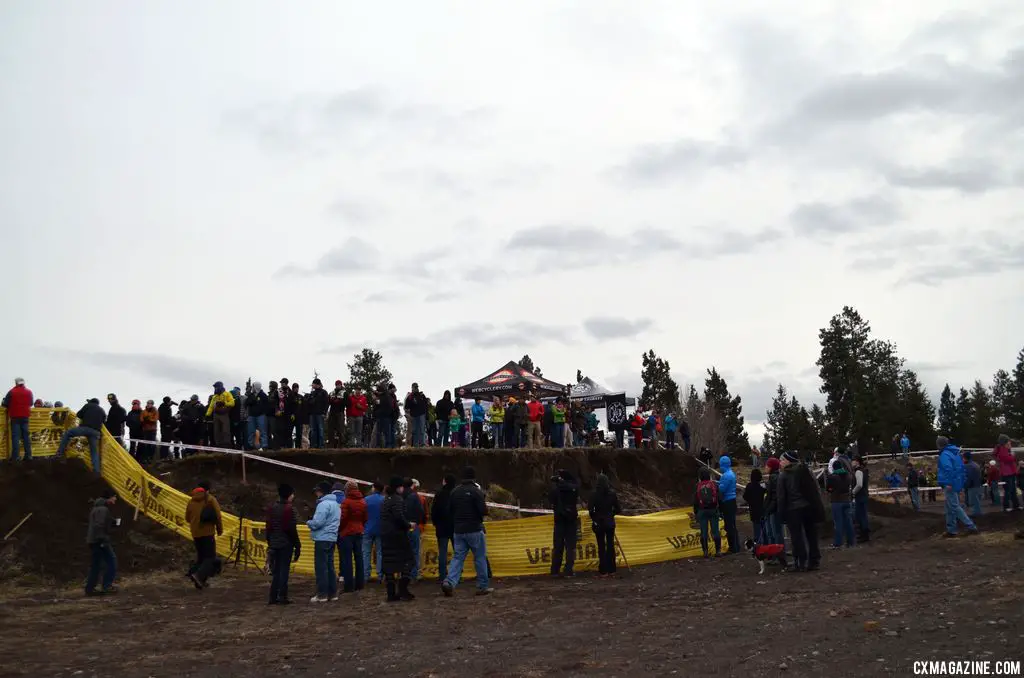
(799, 500)
(299, 417)
(257, 404)
(101, 522)
(90, 422)
(416, 514)
(603, 507)
(416, 411)
(318, 404)
(396, 550)
(753, 495)
(772, 519)
(444, 523)
(564, 498)
(116, 416)
(468, 509)
(165, 415)
(443, 407)
(283, 543)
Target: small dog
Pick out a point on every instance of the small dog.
(764, 552)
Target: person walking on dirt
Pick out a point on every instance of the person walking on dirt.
(371, 532)
(603, 507)
(90, 422)
(101, 523)
(283, 542)
(951, 479)
(773, 520)
(204, 519)
(564, 498)
(838, 483)
(727, 493)
(397, 549)
(353, 524)
(800, 502)
(861, 481)
(1008, 473)
(972, 484)
(468, 509)
(706, 503)
(324, 528)
(18, 402)
(116, 419)
(444, 523)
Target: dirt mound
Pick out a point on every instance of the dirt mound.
(50, 546)
(523, 473)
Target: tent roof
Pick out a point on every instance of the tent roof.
(589, 391)
(511, 378)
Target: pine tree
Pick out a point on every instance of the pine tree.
(660, 390)
(527, 364)
(918, 413)
(948, 416)
(367, 370)
(844, 345)
(821, 431)
(1013, 405)
(963, 425)
(716, 391)
(781, 429)
(1002, 396)
(983, 419)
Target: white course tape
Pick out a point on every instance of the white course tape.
(327, 474)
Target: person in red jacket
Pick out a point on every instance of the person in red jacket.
(350, 532)
(355, 412)
(18, 402)
(1008, 473)
(535, 415)
(636, 425)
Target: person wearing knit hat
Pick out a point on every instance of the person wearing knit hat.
(318, 404)
(772, 519)
(282, 543)
(727, 503)
(838, 483)
(468, 509)
(1003, 454)
(353, 524)
(799, 500)
(397, 560)
(323, 529)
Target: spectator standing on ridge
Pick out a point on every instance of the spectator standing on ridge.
(133, 420)
(298, 418)
(684, 432)
(727, 492)
(283, 542)
(336, 401)
(318, 403)
(755, 457)
(468, 509)
(800, 501)
(18, 402)
(431, 424)
(397, 549)
(558, 423)
(913, 483)
(564, 498)
(240, 422)
(444, 524)
(671, 425)
(415, 513)
(324, 528)
(753, 495)
(951, 479)
(416, 410)
(204, 519)
(101, 522)
(257, 405)
(444, 407)
(478, 416)
(972, 484)
(220, 409)
(535, 416)
(278, 427)
(165, 414)
(498, 423)
(356, 411)
(1003, 454)
(386, 414)
(838, 482)
(603, 507)
(706, 502)
(371, 532)
(861, 482)
(353, 524)
(116, 419)
(905, 447)
(150, 420)
(894, 446)
(90, 422)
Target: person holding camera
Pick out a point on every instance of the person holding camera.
(564, 498)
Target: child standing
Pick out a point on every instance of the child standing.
(454, 426)
(753, 495)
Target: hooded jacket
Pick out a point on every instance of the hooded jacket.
(414, 511)
(223, 397)
(353, 514)
(771, 499)
(798, 490)
(18, 402)
(951, 468)
(325, 524)
(101, 522)
(356, 405)
(318, 401)
(416, 404)
(754, 496)
(194, 512)
(564, 498)
(603, 507)
(166, 415)
(727, 483)
(92, 416)
(972, 475)
(444, 408)
(468, 508)
(116, 419)
(257, 404)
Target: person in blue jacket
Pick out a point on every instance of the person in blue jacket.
(671, 425)
(371, 532)
(895, 481)
(478, 415)
(905, 447)
(951, 479)
(323, 529)
(727, 493)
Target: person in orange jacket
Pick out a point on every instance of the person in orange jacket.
(149, 419)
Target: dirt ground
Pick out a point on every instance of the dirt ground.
(932, 599)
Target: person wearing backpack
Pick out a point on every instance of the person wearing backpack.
(564, 497)
(203, 516)
(727, 503)
(705, 507)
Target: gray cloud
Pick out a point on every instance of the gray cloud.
(826, 219)
(976, 175)
(184, 371)
(354, 257)
(354, 211)
(603, 328)
(661, 162)
(986, 254)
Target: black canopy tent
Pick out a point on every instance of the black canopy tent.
(510, 380)
(589, 392)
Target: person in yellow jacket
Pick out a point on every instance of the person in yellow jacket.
(220, 409)
(204, 519)
(498, 422)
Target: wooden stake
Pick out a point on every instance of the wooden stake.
(15, 529)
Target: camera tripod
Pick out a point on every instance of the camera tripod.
(240, 553)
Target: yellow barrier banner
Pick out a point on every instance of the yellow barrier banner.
(515, 548)
(45, 429)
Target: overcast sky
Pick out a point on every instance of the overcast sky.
(200, 191)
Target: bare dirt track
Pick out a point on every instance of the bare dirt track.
(932, 598)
